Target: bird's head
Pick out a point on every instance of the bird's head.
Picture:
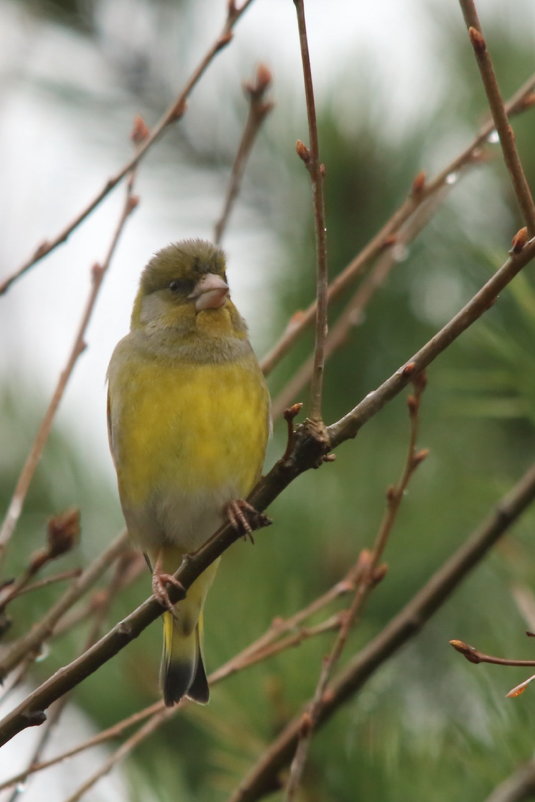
(184, 287)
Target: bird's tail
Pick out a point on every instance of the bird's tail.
(182, 669)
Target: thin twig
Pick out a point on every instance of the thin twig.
(264, 777)
(59, 706)
(171, 115)
(311, 158)
(136, 566)
(98, 273)
(257, 652)
(95, 740)
(259, 108)
(50, 580)
(267, 645)
(144, 731)
(63, 531)
(32, 641)
(519, 102)
(499, 114)
(353, 313)
(370, 576)
(349, 425)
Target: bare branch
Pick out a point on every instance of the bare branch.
(264, 777)
(311, 158)
(259, 108)
(98, 273)
(32, 641)
(499, 114)
(519, 102)
(372, 573)
(349, 425)
(353, 314)
(171, 115)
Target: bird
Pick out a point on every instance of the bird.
(188, 424)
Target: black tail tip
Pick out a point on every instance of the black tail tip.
(178, 681)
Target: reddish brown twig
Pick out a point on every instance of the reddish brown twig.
(311, 158)
(259, 108)
(520, 101)
(31, 642)
(98, 273)
(349, 425)
(353, 313)
(372, 573)
(171, 115)
(62, 533)
(57, 709)
(499, 114)
(473, 655)
(264, 777)
(267, 645)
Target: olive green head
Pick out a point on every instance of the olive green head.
(184, 287)
(178, 268)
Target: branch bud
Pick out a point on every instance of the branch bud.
(302, 151)
(379, 573)
(519, 240)
(468, 651)
(418, 184)
(262, 83)
(419, 456)
(306, 723)
(477, 39)
(140, 131)
(293, 411)
(63, 532)
(409, 369)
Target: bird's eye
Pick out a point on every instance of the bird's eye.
(180, 285)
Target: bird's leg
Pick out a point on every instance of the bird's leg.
(245, 518)
(159, 580)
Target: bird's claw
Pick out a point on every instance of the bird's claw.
(159, 581)
(245, 518)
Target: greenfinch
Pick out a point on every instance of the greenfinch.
(188, 422)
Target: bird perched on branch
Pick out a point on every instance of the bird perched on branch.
(188, 421)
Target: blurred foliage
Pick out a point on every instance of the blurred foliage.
(427, 715)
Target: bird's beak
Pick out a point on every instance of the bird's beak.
(210, 292)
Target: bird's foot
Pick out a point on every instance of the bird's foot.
(245, 518)
(159, 581)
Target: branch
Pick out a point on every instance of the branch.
(98, 273)
(352, 315)
(263, 647)
(372, 573)
(349, 425)
(264, 777)
(32, 641)
(63, 531)
(520, 101)
(311, 159)
(173, 113)
(499, 115)
(259, 108)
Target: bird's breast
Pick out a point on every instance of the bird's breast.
(186, 439)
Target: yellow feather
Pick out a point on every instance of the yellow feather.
(188, 418)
